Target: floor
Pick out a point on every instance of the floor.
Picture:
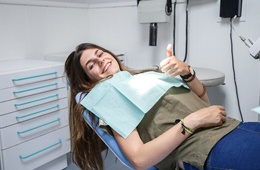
(110, 163)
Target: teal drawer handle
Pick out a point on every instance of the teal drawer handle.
(34, 113)
(32, 101)
(40, 75)
(25, 157)
(35, 88)
(36, 127)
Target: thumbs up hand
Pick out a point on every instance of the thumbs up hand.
(172, 66)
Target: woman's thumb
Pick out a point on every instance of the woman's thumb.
(169, 50)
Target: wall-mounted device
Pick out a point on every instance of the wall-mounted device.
(254, 48)
(230, 8)
(153, 12)
(153, 34)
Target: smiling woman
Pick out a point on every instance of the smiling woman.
(79, 81)
(168, 123)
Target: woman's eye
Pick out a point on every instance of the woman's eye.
(100, 54)
(92, 66)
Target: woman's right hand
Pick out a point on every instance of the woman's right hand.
(206, 117)
(172, 66)
(141, 155)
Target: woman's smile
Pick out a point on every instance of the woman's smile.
(106, 67)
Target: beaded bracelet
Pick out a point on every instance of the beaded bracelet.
(185, 128)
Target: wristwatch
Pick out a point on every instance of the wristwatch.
(190, 74)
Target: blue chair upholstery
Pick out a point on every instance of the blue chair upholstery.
(109, 140)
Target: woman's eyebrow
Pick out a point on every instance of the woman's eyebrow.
(96, 52)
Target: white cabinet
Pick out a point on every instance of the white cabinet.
(34, 129)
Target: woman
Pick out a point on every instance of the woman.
(201, 135)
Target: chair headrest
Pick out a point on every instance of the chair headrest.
(80, 96)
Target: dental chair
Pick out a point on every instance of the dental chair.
(108, 140)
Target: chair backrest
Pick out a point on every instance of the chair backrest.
(109, 140)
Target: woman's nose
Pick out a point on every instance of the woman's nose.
(101, 61)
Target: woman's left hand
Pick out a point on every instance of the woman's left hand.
(172, 66)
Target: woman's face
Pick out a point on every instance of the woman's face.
(98, 64)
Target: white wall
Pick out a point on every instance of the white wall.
(28, 31)
(33, 31)
(209, 46)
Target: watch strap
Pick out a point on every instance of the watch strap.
(187, 76)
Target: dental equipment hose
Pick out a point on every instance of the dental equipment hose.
(233, 67)
(186, 33)
(174, 28)
(187, 23)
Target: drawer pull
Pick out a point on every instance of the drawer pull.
(30, 114)
(36, 127)
(40, 75)
(25, 157)
(35, 88)
(32, 101)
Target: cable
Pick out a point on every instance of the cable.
(174, 27)
(233, 67)
(186, 43)
(233, 28)
(240, 36)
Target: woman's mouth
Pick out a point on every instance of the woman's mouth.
(106, 67)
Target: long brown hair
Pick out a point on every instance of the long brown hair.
(85, 144)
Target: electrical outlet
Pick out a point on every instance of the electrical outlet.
(238, 19)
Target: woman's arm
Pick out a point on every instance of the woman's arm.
(173, 67)
(143, 156)
(198, 88)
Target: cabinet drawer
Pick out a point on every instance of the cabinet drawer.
(30, 101)
(33, 112)
(27, 76)
(18, 133)
(36, 152)
(60, 163)
(30, 89)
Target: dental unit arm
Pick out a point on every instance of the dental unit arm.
(254, 48)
